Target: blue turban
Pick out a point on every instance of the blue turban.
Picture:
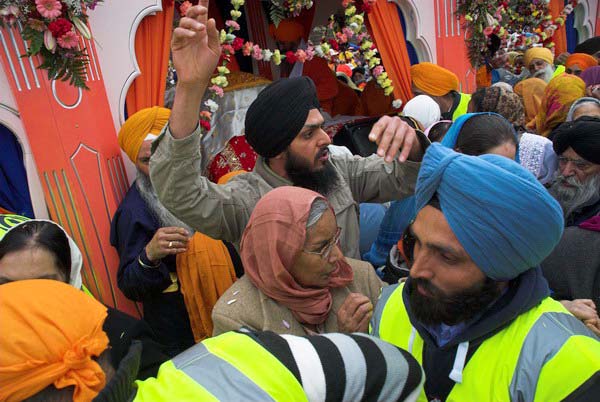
(451, 136)
(503, 217)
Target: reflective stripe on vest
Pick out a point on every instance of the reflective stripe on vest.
(544, 354)
(230, 367)
(463, 106)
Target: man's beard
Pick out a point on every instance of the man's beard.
(450, 309)
(579, 196)
(162, 214)
(545, 73)
(322, 181)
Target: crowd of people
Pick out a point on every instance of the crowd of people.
(480, 280)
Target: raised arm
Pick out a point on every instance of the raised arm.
(196, 50)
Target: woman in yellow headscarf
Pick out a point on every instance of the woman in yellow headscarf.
(531, 91)
(560, 93)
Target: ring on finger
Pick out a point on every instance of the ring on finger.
(170, 244)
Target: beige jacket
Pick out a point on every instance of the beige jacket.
(222, 211)
(243, 304)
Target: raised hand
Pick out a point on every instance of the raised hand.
(395, 138)
(354, 314)
(195, 46)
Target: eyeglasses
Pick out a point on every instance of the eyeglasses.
(325, 252)
(579, 164)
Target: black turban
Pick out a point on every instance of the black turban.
(583, 135)
(278, 114)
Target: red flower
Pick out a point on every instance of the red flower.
(334, 44)
(205, 124)
(237, 44)
(59, 27)
(290, 57)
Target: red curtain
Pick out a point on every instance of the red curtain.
(387, 32)
(152, 45)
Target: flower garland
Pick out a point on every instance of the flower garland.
(53, 30)
(342, 40)
(519, 24)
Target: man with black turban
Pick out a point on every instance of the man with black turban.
(573, 267)
(284, 126)
(577, 187)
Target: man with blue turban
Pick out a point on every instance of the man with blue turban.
(475, 310)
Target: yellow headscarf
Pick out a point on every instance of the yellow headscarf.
(433, 79)
(532, 92)
(541, 53)
(50, 331)
(138, 126)
(559, 95)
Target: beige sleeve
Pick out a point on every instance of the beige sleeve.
(219, 211)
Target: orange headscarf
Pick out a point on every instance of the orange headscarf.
(273, 237)
(287, 31)
(433, 79)
(147, 121)
(560, 93)
(531, 91)
(582, 60)
(50, 331)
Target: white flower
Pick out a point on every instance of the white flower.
(267, 54)
(211, 105)
(397, 103)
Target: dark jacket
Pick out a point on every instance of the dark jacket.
(132, 228)
(585, 213)
(523, 293)
(573, 267)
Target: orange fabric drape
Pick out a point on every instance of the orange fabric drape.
(152, 45)
(387, 32)
(560, 35)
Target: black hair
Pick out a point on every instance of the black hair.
(438, 131)
(483, 132)
(477, 99)
(39, 234)
(360, 70)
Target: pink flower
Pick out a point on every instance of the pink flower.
(377, 71)
(228, 49)
(310, 52)
(346, 3)
(184, 7)
(205, 114)
(348, 32)
(488, 31)
(233, 25)
(300, 55)
(247, 49)
(70, 40)
(217, 90)
(341, 37)
(257, 52)
(49, 8)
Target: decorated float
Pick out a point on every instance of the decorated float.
(72, 70)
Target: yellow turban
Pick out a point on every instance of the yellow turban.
(433, 79)
(50, 334)
(582, 60)
(138, 126)
(287, 31)
(541, 53)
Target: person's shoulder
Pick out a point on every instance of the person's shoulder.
(360, 267)
(241, 296)
(132, 199)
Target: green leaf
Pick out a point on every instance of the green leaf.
(276, 14)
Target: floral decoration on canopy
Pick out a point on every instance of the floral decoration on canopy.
(520, 24)
(282, 9)
(345, 39)
(53, 30)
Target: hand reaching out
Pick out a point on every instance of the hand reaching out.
(195, 46)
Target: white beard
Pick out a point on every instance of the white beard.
(164, 216)
(545, 74)
(574, 198)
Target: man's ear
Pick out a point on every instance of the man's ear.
(282, 156)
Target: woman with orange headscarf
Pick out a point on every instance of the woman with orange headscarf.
(559, 95)
(297, 280)
(531, 91)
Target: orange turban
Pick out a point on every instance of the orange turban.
(538, 53)
(50, 331)
(138, 126)
(433, 79)
(287, 31)
(582, 60)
